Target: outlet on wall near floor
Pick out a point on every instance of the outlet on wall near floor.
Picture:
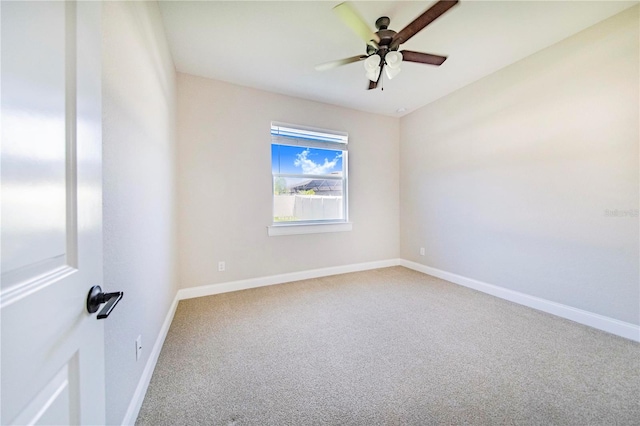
(221, 266)
(138, 347)
(421, 251)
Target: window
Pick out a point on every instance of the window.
(309, 176)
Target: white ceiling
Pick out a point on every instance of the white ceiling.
(274, 45)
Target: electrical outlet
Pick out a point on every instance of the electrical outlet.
(138, 347)
(221, 266)
(421, 251)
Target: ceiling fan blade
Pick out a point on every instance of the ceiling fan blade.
(334, 64)
(422, 21)
(350, 17)
(423, 58)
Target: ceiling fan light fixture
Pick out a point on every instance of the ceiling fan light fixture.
(372, 67)
(393, 59)
(372, 62)
(391, 72)
(373, 74)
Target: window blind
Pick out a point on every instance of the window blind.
(287, 134)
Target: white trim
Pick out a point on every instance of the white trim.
(141, 390)
(308, 228)
(295, 131)
(601, 322)
(208, 290)
(189, 293)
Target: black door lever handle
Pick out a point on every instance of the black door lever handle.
(96, 297)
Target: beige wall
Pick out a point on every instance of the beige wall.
(139, 101)
(508, 180)
(224, 191)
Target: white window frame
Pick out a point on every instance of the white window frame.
(311, 137)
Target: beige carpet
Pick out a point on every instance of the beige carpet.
(386, 347)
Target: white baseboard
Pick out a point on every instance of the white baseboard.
(141, 390)
(601, 322)
(208, 290)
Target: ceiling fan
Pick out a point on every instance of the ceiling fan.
(382, 46)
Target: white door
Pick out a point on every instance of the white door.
(52, 349)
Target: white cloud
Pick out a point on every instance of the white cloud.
(309, 167)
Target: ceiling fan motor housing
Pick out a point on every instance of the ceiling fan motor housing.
(383, 22)
(386, 36)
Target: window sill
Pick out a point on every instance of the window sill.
(311, 228)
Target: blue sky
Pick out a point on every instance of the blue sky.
(301, 160)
